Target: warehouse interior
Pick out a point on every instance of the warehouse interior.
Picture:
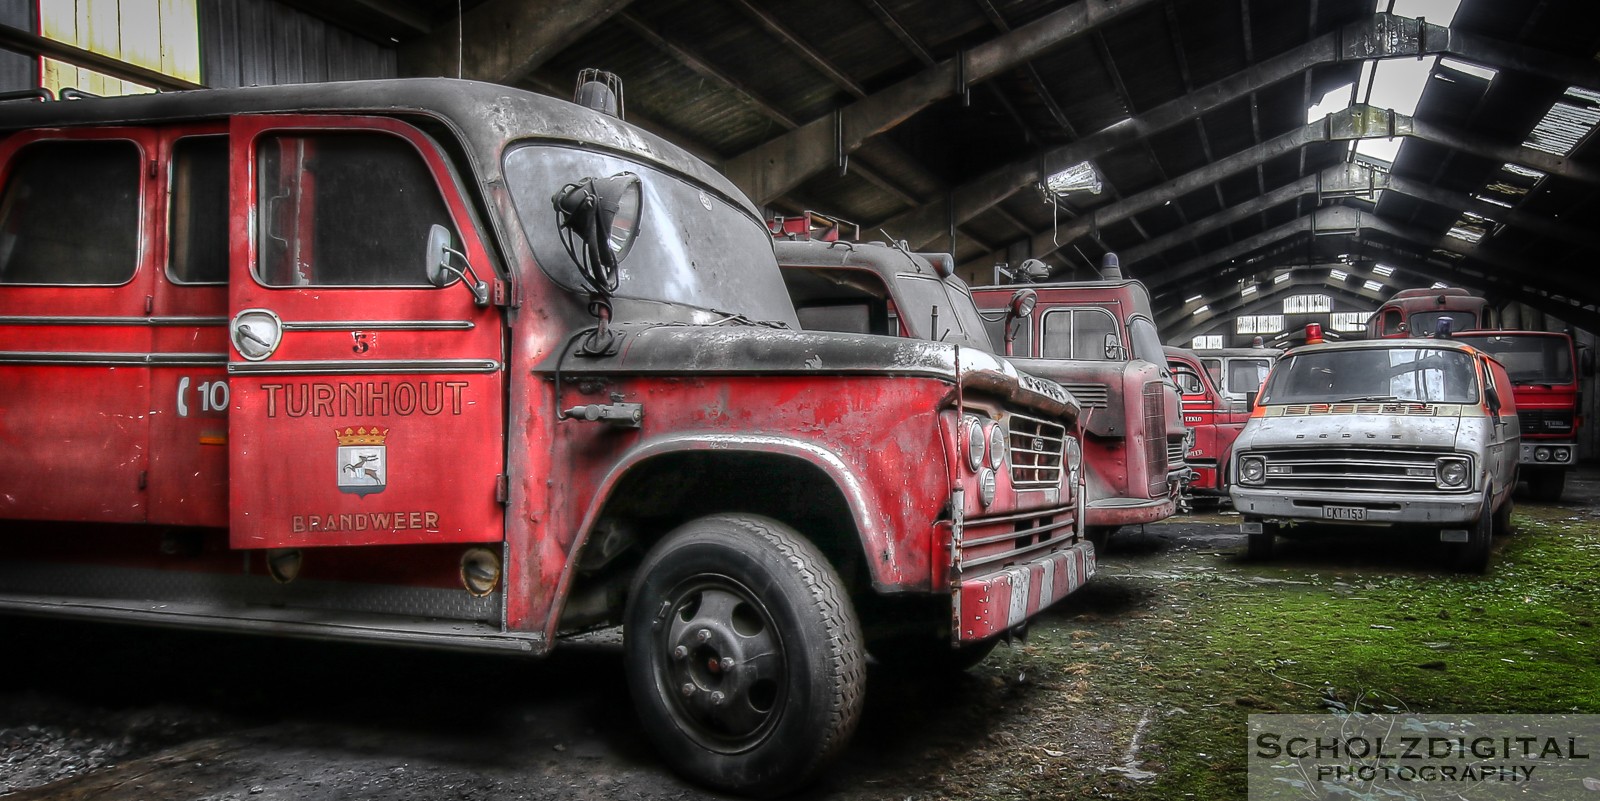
(1258, 164)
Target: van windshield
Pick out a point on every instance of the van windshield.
(1428, 375)
(693, 247)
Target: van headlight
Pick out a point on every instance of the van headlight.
(977, 440)
(1252, 469)
(1451, 472)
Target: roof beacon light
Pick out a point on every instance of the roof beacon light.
(1442, 327)
(1110, 267)
(1313, 334)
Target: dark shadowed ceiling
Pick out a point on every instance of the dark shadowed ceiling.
(937, 122)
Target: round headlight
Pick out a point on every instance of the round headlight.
(1452, 473)
(1252, 469)
(997, 445)
(1562, 454)
(975, 442)
(1074, 454)
(1542, 454)
(986, 487)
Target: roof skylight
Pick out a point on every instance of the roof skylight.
(1383, 270)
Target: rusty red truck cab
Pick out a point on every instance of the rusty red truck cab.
(1546, 378)
(1098, 339)
(1213, 419)
(450, 364)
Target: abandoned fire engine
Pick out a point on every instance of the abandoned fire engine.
(450, 364)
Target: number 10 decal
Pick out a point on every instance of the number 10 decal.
(213, 396)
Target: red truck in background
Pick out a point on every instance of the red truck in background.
(1545, 369)
(1099, 340)
(1214, 420)
(361, 361)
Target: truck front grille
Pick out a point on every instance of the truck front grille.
(988, 544)
(1096, 396)
(1155, 438)
(1036, 448)
(1545, 421)
(1351, 470)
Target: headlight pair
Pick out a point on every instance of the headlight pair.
(986, 443)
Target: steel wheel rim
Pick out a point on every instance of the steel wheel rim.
(720, 668)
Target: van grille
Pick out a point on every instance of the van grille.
(1298, 409)
(1090, 395)
(1155, 438)
(1036, 448)
(1352, 470)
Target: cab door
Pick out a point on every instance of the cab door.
(366, 403)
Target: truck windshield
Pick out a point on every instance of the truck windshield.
(1529, 358)
(1424, 324)
(959, 322)
(1429, 375)
(693, 247)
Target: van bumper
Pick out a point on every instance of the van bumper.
(1376, 508)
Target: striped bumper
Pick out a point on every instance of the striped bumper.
(990, 604)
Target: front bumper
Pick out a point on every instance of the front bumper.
(1556, 453)
(1386, 509)
(1128, 511)
(991, 604)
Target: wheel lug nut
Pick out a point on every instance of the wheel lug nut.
(703, 635)
(717, 698)
(688, 690)
(727, 663)
(680, 653)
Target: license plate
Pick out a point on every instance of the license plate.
(1343, 513)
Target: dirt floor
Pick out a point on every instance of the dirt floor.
(1135, 687)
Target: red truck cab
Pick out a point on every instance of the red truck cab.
(1214, 420)
(1545, 376)
(1416, 312)
(1099, 340)
(449, 364)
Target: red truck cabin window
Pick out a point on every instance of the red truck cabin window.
(1078, 334)
(52, 232)
(197, 219)
(343, 209)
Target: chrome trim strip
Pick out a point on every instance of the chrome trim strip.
(375, 367)
(380, 325)
(114, 359)
(37, 319)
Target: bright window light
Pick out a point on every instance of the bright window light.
(1193, 299)
(1338, 275)
(1336, 100)
(1438, 285)
(1258, 324)
(1371, 286)
(1397, 83)
(1470, 69)
(1521, 171)
(1566, 123)
(1206, 342)
(1204, 307)
(1494, 200)
(1348, 321)
(1249, 289)
(1280, 278)
(1383, 270)
(1307, 304)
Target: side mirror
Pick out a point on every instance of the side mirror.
(442, 274)
(1492, 397)
(1021, 305)
(1114, 351)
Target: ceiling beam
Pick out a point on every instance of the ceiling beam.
(1383, 36)
(502, 41)
(776, 166)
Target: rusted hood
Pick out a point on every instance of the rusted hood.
(741, 348)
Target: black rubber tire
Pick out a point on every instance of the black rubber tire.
(930, 654)
(1546, 484)
(1472, 556)
(1258, 547)
(1502, 517)
(752, 590)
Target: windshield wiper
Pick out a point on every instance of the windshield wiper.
(1367, 399)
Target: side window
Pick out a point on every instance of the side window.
(198, 216)
(1391, 322)
(1188, 380)
(69, 214)
(1079, 334)
(343, 209)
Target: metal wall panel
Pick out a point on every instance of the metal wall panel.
(18, 71)
(260, 42)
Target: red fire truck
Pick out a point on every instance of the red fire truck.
(449, 364)
(1214, 420)
(1099, 340)
(1544, 366)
